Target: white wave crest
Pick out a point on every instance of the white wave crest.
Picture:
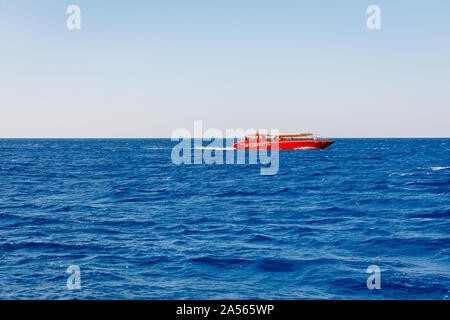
(212, 148)
(433, 168)
(439, 168)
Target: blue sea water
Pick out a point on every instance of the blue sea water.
(140, 227)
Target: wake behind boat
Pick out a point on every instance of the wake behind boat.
(299, 141)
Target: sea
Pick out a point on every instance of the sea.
(118, 219)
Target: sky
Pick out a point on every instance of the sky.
(146, 68)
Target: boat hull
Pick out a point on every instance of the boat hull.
(294, 144)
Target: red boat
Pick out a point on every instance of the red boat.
(282, 142)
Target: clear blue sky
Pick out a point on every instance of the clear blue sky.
(146, 68)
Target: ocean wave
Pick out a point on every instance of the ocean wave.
(214, 148)
(140, 227)
(221, 262)
(43, 245)
(434, 168)
(439, 168)
(290, 265)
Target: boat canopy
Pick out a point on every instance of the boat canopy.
(282, 135)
